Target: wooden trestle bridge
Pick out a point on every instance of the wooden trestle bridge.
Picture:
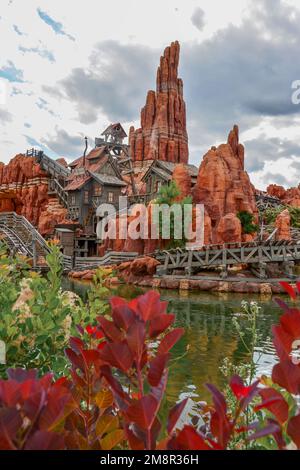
(256, 255)
(23, 238)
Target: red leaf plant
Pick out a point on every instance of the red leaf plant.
(117, 381)
(137, 353)
(281, 413)
(32, 411)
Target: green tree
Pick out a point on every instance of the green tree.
(168, 195)
(247, 221)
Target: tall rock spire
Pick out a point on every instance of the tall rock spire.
(163, 133)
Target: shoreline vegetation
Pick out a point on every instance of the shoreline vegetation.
(95, 374)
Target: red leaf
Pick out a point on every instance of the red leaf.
(91, 356)
(143, 412)
(287, 375)
(76, 344)
(149, 305)
(288, 289)
(110, 330)
(117, 355)
(114, 384)
(293, 430)
(75, 359)
(122, 314)
(273, 428)
(273, 401)
(42, 440)
(157, 368)
(175, 414)
(238, 388)
(93, 331)
(170, 340)
(135, 442)
(188, 439)
(159, 324)
(136, 339)
(20, 375)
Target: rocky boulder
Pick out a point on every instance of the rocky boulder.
(224, 187)
(283, 225)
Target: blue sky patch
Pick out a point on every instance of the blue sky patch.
(55, 25)
(44, 53)
(38, 146)
(11, 73)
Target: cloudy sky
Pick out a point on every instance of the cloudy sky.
(68, 69)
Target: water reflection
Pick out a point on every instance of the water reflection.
(209, 336)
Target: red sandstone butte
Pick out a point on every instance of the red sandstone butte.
(224, 187)
(289, 196)
(182, 178)
(25, 191)
(163, 133)
(283, 225)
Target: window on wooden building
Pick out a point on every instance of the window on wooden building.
(86, 197)
(73, 199)
(97, 190)
(158, 186)
(110, 197)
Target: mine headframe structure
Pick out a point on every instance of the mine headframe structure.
(113, 138)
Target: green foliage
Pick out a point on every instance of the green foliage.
(167, 195)
(246, 219)
(271, 214)
(37, 317)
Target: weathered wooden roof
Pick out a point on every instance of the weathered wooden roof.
(77, 182)
(108, 180)
(115, 127)
(165, 170)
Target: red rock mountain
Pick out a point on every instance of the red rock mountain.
(224, 187)
(24, 190)
(163, 133)
(289, 196)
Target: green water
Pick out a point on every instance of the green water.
(209, 335)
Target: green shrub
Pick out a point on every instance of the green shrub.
(37, 317)
(246, 219)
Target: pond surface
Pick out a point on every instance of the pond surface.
(209, 336)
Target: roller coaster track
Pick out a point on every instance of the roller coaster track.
(21, 237)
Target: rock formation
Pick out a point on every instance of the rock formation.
(183, 180)
(229, 229)
(163, 132)
(24, 188)
(283, 225)
(224, 187)
(289, 196)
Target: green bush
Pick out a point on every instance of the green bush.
(246, 219)
(271, 214)
(37, 317)
(167, 195)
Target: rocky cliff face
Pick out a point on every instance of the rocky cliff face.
(224, 187)
(283, 225)
(163, 132)
(289, 196)
(24, 188)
